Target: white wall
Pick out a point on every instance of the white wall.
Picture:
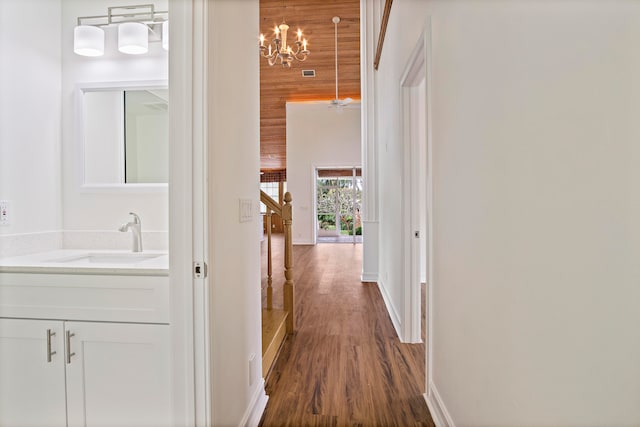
(536, 205)
(234, 174)
(30, 114)
(104, 211)
(317, 136)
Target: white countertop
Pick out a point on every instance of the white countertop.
(82, 261)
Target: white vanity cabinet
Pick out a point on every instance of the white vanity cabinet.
(32, 388)
(84, 350)
(59, 373)
(117, 374)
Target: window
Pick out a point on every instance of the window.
(273, 190)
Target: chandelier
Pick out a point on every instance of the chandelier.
(279, 51)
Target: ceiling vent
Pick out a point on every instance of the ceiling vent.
(308, 73)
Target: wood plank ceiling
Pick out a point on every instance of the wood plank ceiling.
(279, 85)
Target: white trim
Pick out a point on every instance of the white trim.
(410, 201)
(393, 314)
(303, 242)
(369, 150)
(426, 41)
(120, 187)
(88, 86)
(256, 407)
(420, 65)
(415, 72)
(314, 205)
(201, 299)
(314, 198)
(429, 327)
(124, 188)
(370, 257)
(369, 277)
(188, 308)
(437, 408)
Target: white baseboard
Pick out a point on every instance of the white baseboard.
(256, 407)
(369, 277)
(302, 242)
(393, 314)
(437, 408)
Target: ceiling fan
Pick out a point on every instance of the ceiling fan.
(337, 102)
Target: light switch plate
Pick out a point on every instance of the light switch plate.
(246, 210)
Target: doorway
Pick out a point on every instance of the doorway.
(338, 205)
(417, 200)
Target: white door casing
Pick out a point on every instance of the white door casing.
(414, 144)
(416, 86)
(191, 377)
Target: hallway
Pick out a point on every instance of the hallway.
(345, 365)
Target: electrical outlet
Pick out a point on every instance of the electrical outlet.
(5, 212)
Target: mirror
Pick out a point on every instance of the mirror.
(124, 135)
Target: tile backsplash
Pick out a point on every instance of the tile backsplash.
(23, 244)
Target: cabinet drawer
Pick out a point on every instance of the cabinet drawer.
(143, 299)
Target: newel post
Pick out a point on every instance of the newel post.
(287, 217)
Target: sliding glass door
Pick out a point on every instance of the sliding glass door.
(339, 198)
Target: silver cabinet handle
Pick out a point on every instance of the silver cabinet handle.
(69, 353)
(49, 352)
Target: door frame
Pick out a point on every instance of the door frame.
(189, 308)
(417, 70)
(314, 174)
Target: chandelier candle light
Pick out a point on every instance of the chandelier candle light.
(281, 52)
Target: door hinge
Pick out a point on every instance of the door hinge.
(199, 270)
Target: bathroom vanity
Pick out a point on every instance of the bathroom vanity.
(84, 339)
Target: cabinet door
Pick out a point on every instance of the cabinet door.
(118, 375)
(32, 384)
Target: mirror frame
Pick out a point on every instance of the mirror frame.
(81, 89)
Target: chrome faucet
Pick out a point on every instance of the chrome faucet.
(136, 231)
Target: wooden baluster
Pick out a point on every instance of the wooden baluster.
(287, 217)
(269, 268)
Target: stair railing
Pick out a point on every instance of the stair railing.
(285, 212)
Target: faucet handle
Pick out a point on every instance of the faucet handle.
(136, 218)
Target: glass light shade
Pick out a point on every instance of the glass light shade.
(88, 40)
(133, 38)
(165, 35)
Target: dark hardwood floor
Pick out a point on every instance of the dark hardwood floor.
(344, 366)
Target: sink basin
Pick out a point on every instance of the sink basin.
(108, 258)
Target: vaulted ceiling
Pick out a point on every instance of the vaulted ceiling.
(279, 85)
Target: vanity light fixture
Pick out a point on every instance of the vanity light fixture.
(133, 38)
(88, 40)
(137, 26)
